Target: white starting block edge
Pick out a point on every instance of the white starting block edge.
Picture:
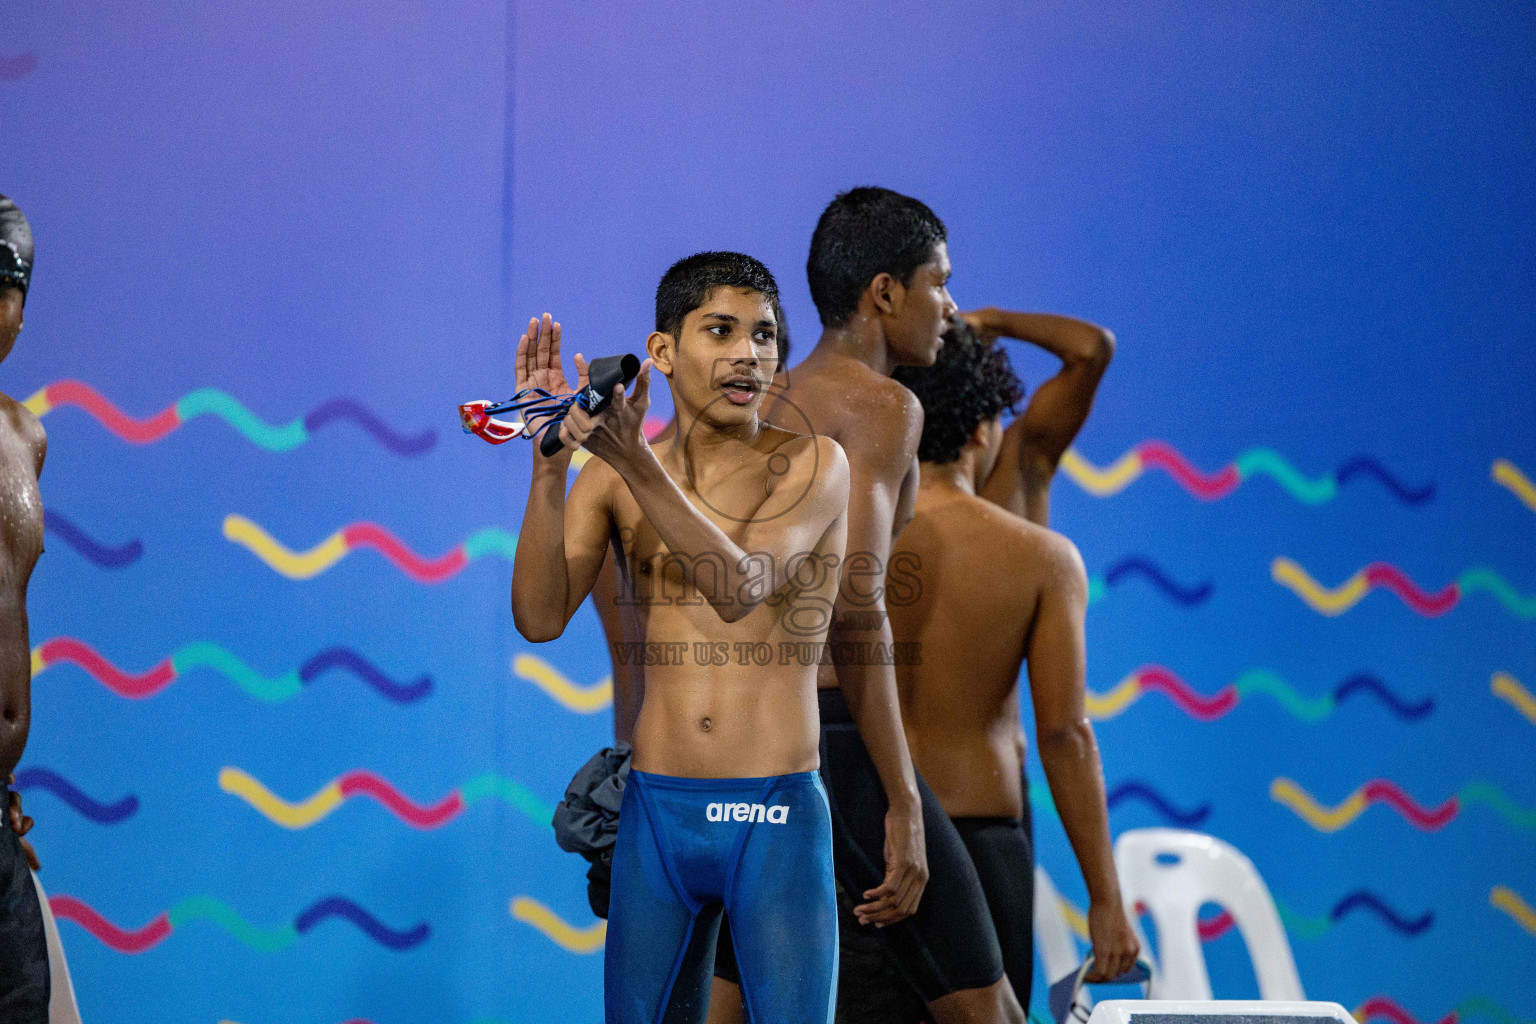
(1125, 1011)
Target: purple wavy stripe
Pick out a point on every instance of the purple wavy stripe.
(346, 409)
(1364, 900)
(94, 550)
(1364, 465)
(1364, 682)
(345, 658)
(340, 906)
(1144, 791)
(1136, 565)
(59, 786)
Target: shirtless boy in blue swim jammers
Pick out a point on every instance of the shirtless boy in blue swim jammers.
(730, 532)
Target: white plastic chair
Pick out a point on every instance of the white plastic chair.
(1171, 873)
(62, 1008)
(1054, 941)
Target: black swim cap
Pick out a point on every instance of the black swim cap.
(15, 247)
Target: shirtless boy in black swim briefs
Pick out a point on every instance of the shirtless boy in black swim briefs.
(997, 590)
(23, 950)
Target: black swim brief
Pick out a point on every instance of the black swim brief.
(24, 977)
(1005, 861)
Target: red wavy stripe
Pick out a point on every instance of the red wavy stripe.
(1383, 1006)
(1198, 706)
(1387, 792)
(74, 392)
(416, 816)
(1382, 574)
(147, 684)
(1205, 487)
(420, 569)
(114, 937)
(1215, 927)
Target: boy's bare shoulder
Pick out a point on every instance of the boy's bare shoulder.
(1017, 545)
(16, 419)
(844, 397)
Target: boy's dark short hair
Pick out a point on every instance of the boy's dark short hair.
(864, 232)
(970, 383)
(15, 247)
(687, 284)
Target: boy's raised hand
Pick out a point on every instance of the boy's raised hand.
(617, 432)
(538, 364)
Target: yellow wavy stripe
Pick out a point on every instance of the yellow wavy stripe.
(1506, 473)
(1329, 602)
(299, 815)
(1076, 919)
(37, 660)
(38, 404)
(1101, 483)
(1504, 685)
(567, 937)
(1324, 819)
(294, 565)
(1509, 901)
(582, 699)
(1107, 705)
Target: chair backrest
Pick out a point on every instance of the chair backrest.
(1053, 935)
(1172, 873)
(62, 1008)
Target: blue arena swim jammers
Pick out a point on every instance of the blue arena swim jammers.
(761, 850)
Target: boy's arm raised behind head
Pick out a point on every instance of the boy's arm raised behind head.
(1036, 440)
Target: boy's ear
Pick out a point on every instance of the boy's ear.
(884, 295)
(660, 346)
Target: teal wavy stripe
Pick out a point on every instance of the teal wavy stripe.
(1302, 926)
(209, 909)
(213, 402)
(490, 542)
(1493, 583)
(1097, 588)
(1489, 795)
(514, 793)
(1272, 464)
(1482, 1006)
(1308, 709)
(209, 655)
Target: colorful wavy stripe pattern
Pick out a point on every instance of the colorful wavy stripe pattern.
(87, 807)
(1148, 455)
(308, 564)
(263, 940)
(213, 402)
(1188, 595)
(584, 700)
(1385, 1008)
(1384, 791)
(1132, 789)
(567, 936)
(1511, 902)
(1203, 708)
(212, 656)
(1508, 688)
(1510, 475)
(104, 555)
(1315, 927)
(333, 794)
(1346, 595)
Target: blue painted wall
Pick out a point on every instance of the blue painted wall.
(1310, 230)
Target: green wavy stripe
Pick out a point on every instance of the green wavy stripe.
(210, 655)
(1272, 464)
(213, 402)
(209, 909)
(1097, 588)
(1302, 926)
(490, 542)
(1040, 797)
(1482, 1006)
(514, 793)
(1489, 794)
(1493, 583)
(1308, 709)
